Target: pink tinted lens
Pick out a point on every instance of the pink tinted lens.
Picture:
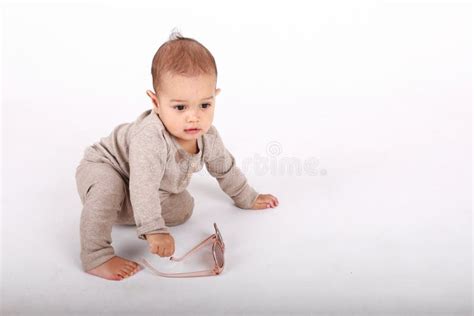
(219, 254)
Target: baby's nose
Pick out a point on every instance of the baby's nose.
(193, 116)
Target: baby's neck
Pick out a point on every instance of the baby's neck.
(189, 145)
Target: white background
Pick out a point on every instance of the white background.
(378, 93)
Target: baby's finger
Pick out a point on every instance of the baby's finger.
(274, 200)
(270, 203)
(169, 252)
(162, 252)
(260, 206)
(154, 249)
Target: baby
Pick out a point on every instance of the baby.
(138, 175)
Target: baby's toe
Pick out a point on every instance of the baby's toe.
(123, 273)
(132, 264)
(127, 270)
(116, 277)
(120, 275)
(137, 268)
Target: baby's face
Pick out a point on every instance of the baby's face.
(184, 103)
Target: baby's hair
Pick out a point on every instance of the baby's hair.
(183, 56)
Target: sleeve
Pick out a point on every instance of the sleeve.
(147, 159)
(221, 165)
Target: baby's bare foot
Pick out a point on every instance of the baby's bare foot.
(116, 268)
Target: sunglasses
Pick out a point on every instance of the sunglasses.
(217, 252)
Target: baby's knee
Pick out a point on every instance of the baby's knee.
(178, 209)
(183, 214)
(183, 217)
(188, 211)
(105, 196)
(95, 180)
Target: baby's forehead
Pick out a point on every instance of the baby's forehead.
(173, 77)
(184, 87)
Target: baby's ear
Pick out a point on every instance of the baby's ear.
(152, 97)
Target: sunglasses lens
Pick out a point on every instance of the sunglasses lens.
(219, 255)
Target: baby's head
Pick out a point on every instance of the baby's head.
(184, 79)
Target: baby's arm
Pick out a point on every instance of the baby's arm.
(221, 165)
(147, 160)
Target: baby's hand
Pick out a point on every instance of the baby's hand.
(265, 201)
(161, 244)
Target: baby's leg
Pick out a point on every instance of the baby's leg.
(102, 192)
(177, 208)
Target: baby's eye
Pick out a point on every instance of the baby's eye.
(205, 105)
(179, 107)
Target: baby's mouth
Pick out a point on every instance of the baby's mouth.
(192, 130)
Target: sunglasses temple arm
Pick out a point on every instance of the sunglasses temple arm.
(178, 275)
(200, 245)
